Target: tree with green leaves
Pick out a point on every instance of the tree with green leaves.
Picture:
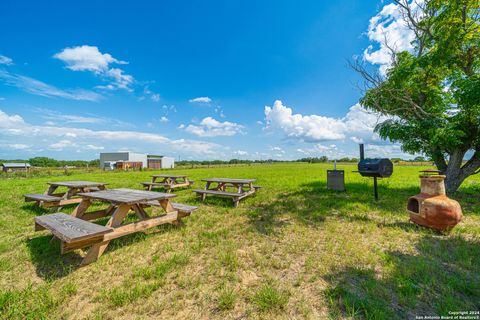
(431, 94)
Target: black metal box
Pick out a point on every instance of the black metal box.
(336, 180)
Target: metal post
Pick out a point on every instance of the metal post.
(362, 152)
(375, 187)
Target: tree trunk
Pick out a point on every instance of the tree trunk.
(453, 182)
(456, 173)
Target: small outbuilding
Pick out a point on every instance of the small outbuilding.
(160, 162)
(8, 167)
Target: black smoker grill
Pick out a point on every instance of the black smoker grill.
(376, 168)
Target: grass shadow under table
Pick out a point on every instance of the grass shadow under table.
(51, 264)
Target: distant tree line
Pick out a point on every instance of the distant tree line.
(49, 162)
(321, 159)
(325, 159)
(218, 162)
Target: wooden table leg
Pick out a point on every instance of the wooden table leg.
(235, 202)
(204, 195)
(82, 207)
(141, 214)
(51, 189)
(167, 206)
(70, 193)
(97, 249)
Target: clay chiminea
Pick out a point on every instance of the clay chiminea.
(432, 208)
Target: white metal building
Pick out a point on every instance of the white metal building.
(148, 161)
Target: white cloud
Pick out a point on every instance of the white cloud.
(62, 144)
(389, 30)
(210, 127)
(89, 58)
(121, 80)
(155, 97)
(385, 151)
(360, 124)
(219, 111)
(18, 146)
(54, 117)
(307, 128)
(7, 122)
(357, 124)
(169, 108)
(40, 88)
(93, 147)
(164, 119)
(201, 100)
(67, 138)
(320, 149)
(86, 58)
(5, 60)
(240, 153)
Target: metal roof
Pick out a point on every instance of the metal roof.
(16, 165)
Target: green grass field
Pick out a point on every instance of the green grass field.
(293, 251)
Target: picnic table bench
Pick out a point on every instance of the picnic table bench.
(51, 199)
(168, 182)
(241, 188)
(75, 231)
(184, 210)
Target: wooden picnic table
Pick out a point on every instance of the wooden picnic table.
(76, 232)
(241, 188)
(52, 199)
(168, 182)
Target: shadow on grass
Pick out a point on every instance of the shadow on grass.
(215, 201)
(51, 265)
(36, 210)
(444, 276)
(313, 202)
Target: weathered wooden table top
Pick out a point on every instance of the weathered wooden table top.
(168, 176)
(228, 180)
(77, 184)
(126, 196)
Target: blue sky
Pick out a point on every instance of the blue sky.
(196, 80)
